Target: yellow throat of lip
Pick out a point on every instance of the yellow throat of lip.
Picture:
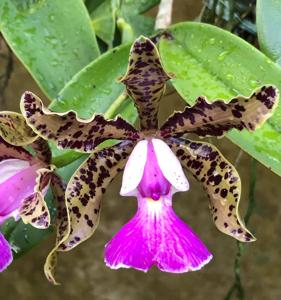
(154, 202)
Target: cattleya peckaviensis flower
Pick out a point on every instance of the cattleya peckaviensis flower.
(153, 159)
(24, 178)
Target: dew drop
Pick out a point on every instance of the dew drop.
(222, 56)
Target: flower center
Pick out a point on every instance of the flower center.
(153, 183)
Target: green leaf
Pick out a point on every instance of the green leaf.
(212, 62)
(268, 18)
(93, 4)
(53, 39)
(103, 20)
(133, 7)
(95, 88)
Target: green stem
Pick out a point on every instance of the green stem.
(126, 30)
(111, 112)
(237, 285)
(253, 181)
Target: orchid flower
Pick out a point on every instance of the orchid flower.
(153, 159)
(24, 179)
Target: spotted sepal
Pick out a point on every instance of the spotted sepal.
(14, 130)
(34, 209)
(145, 81)
(69, 131)
(86, 187)
(62, 225)
(221, 181)
(42, 150)
(216, 118)
(8, 151)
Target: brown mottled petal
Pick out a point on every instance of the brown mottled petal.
(14, 130)
(145, 81)
(68, 131)
(215, 119)
(42, 150)
(34, 209)
(8, 151)
(221, 181)
(62, 225)
(85, 189)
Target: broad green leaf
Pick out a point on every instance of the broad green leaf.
(268, 26)
(95, 89)
(135, 7)
(103, 20)
(212, 62)
(53, 39)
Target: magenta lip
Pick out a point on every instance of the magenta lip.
(153, 183)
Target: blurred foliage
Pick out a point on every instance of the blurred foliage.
(6, 64)
(268, 25)
(236, 16)
(120, 21)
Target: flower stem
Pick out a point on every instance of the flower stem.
(238, 158)
(164, 15)
(237, 285)
(127, 32)
(111, 112)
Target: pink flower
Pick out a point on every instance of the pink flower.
(17, 183)
(153, 158)
(24, 179)
(155, 235)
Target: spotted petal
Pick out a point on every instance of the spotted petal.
(58, 188)
(221, 181)
(34, 209)
(145, 81)
(8, 151)
(68, 131)
(42, 150)
(85, 189)
(14, 130)
(215, 119)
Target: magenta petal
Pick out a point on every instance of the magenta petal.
(153, 183)
(6, 255)
(15, 189)
(156, 236)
